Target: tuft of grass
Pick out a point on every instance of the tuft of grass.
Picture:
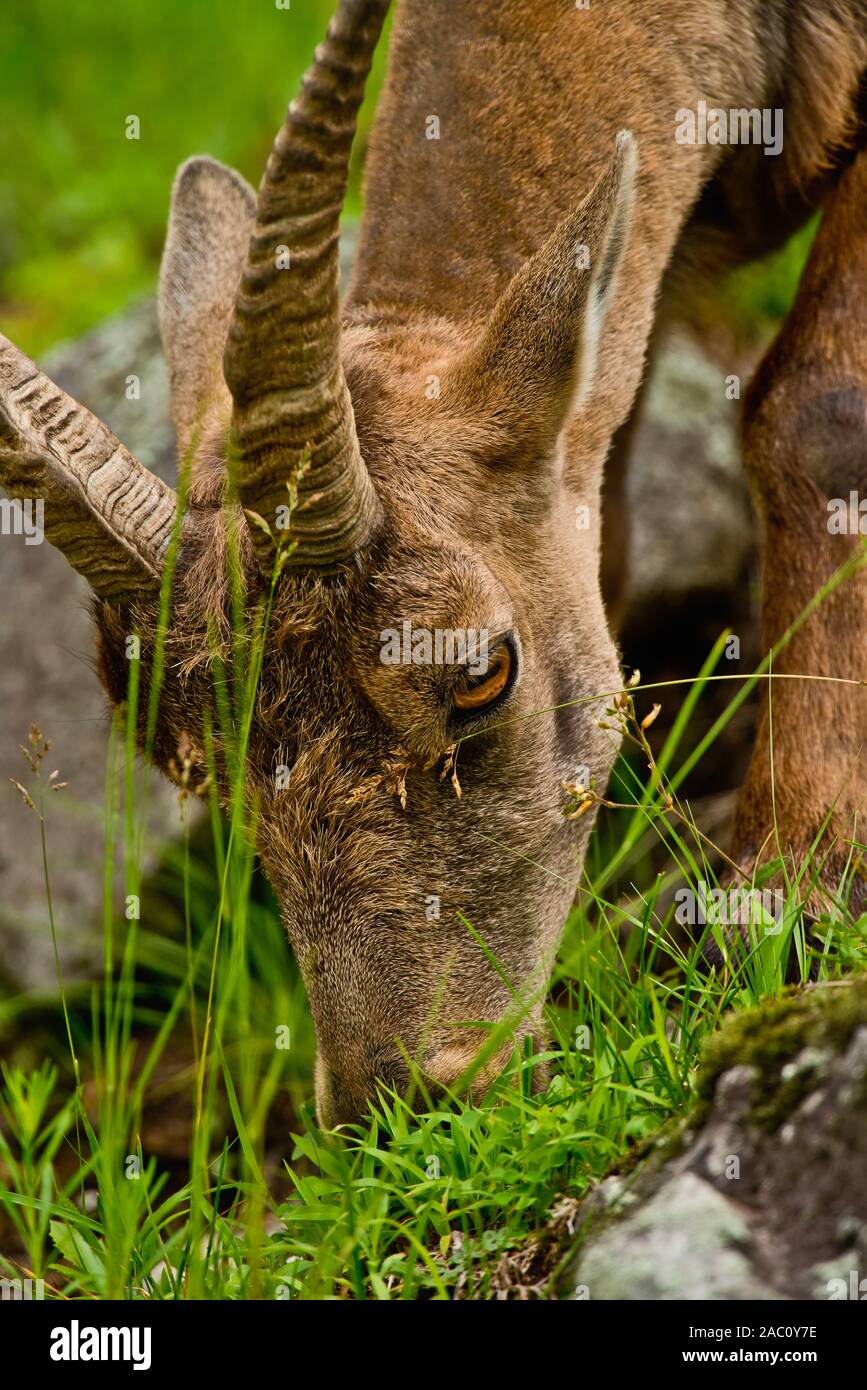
(412, 1203)
(407, 1205)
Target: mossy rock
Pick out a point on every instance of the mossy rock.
(759, 1191)
(811, 1024)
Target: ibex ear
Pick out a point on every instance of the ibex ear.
(212, 214)
(537, 357)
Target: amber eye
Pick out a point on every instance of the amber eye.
(476, 690)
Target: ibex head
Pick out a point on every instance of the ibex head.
(434, 524)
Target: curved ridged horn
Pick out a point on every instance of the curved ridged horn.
(111, 517)
(292, 418)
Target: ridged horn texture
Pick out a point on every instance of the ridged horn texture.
(281, 363)
(111, 517)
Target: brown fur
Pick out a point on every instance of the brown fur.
(805, 442)
(478, 488)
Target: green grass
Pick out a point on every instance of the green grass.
(409, 1204)
(83, 209)
(760, 295)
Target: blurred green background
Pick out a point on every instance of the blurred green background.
(82, 208)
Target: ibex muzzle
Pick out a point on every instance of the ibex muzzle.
(438, 646)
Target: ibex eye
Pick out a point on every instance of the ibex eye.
(485, 683)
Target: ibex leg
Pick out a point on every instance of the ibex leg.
(805, 454)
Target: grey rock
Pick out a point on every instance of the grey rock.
(686, 1242)
(811, 1059)
(762, 1196)
(47, 677)
(692, 525)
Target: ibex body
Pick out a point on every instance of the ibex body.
(444, 436)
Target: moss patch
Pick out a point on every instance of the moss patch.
(772, 1035)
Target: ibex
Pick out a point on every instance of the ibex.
(443, 430)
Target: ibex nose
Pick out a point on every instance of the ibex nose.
(343, 1098)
